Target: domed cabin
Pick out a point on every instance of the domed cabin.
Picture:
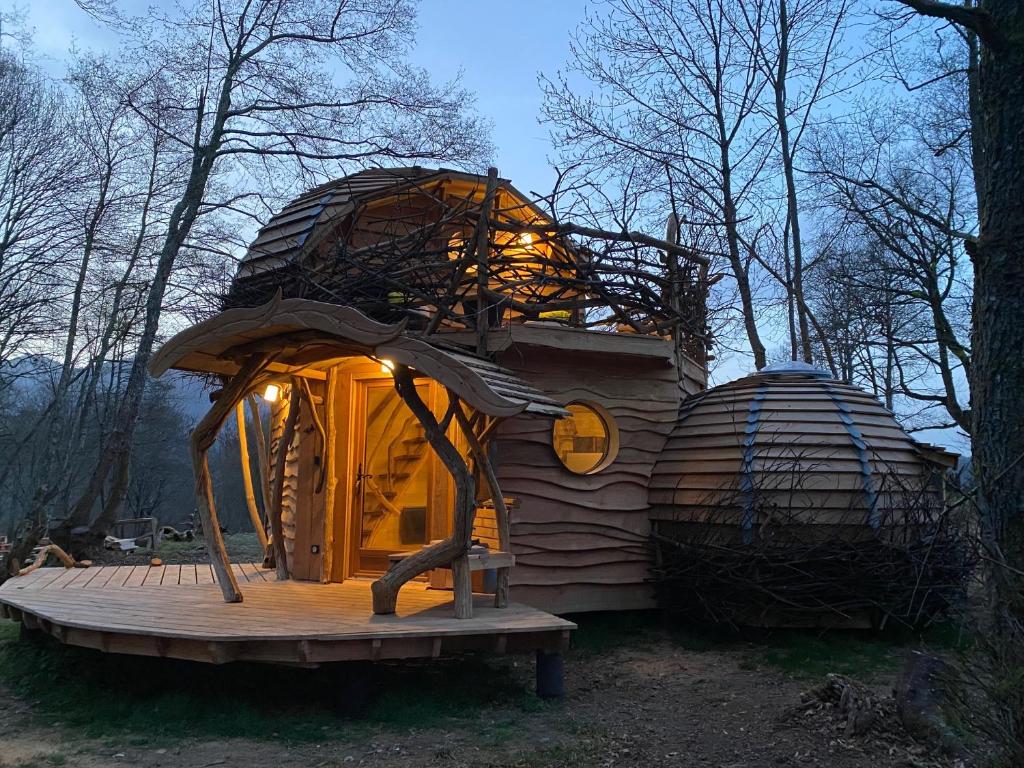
(412, 334)
(786, 493)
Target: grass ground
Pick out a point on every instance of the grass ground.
(242, 547)
(641, 693)
(161, 698)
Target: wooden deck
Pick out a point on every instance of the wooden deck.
(177, 611)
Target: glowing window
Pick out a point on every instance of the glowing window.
(587, 440)
(457, 245)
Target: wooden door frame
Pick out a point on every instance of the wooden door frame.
(347, 500)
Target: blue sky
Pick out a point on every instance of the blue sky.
(526, 37)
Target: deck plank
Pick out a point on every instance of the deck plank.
(137, 576)
(154, 576)
(188, 574)
(172, 575)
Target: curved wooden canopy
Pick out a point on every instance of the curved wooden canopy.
(307, 335)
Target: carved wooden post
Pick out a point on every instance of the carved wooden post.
(385, 589)
(250, 493)
(277, 487)
(202, 438)
(483, 242)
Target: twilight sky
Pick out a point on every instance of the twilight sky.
(525, 38)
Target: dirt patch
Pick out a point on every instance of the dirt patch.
(650, 703)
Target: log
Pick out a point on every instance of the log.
(250, 493)
(483, 461)
(385, 589)
(44, 552)
(203, 437)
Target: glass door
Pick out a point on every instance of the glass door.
(394, 476)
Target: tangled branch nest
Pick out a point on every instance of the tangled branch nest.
(793, 569)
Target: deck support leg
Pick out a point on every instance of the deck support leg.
(462, 581)
(550, 675)
(501, 591)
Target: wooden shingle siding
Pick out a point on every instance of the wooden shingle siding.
(813, 439)
(581, 540)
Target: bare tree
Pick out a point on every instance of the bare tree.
(240, 88)
(918, 264)
(38, 174)
(796, 45)
(993, 31)
(671, 118)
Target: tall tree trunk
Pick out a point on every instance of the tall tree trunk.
(997, 375)
(739, 269)
(792, 207)
(182, 218)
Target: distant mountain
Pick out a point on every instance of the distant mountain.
(32, 376)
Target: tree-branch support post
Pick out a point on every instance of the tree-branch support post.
(483, 247)
(203, 437)
(250, 492)
(446, 552)
(481, 456)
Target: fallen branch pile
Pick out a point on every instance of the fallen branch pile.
(472, 264)
(771, 584)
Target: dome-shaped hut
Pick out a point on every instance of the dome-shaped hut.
(785, 473)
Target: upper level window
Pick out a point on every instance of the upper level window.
(587, 440)
(457, 249)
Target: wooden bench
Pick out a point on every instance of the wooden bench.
(486, 560)
(478, 561)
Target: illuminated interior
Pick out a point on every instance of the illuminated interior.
(395, 479)
(582, 440)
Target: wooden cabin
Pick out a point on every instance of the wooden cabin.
(587, 390)
(457, 416)
(574, 384)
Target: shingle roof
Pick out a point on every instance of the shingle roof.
(295, 228)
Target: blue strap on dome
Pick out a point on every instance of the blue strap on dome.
(747, 467)
(862, 454)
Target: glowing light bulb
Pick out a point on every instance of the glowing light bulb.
(271, 392)
(387, 366)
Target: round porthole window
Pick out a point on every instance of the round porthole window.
(587, 440)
